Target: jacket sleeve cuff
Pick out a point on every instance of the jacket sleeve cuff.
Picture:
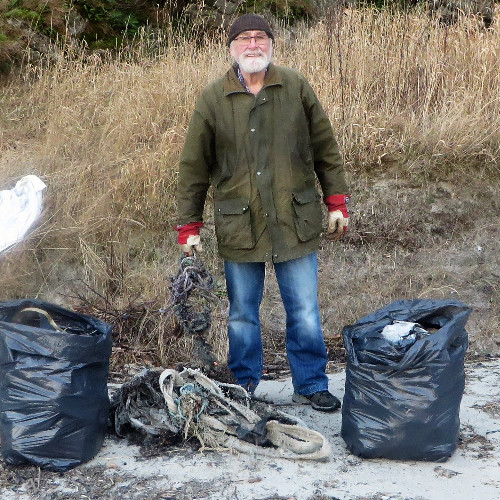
(187, 230)
(338, 202)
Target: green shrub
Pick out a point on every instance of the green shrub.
(23, 14)
(288, 10)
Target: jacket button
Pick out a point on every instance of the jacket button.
(259, 173)
(252, 130)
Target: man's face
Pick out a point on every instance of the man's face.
(252, 50)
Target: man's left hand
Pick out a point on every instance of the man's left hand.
(337, 225)
(338, 215)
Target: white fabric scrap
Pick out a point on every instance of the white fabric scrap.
(19, 209)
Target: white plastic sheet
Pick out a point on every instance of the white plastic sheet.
(399, 331)
(19, 209)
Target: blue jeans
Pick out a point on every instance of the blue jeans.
(305, 345)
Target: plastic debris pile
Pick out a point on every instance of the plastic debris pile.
(189, 404)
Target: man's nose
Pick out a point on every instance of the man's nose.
(253, 42)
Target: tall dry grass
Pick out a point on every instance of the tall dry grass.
(408, 99)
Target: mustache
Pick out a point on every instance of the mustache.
(253, 52)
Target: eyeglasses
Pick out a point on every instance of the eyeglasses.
(246, 40)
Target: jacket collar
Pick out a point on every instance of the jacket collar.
(232, 84)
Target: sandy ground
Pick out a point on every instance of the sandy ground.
(120, 471)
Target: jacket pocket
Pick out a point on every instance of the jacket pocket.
(308, 214)
(233, 224)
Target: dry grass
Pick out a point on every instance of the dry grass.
(416, 109)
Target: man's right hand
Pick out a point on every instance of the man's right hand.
(193, 243)
(189, 239)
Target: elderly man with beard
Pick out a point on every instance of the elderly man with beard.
(260, 138)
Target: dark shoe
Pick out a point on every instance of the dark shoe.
(321, 401)
(250, 388)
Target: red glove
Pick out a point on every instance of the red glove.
(189, 237)
(338, 215)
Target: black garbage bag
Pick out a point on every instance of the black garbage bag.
(54, 402)
(402, 398)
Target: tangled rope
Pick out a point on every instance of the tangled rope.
(221, 416)
(193, 295)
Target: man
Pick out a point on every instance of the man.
(260, 138)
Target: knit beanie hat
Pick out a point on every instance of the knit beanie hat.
(249, 22)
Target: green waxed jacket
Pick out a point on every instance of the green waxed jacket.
(262, 155)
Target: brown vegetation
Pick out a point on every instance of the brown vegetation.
(414, 105)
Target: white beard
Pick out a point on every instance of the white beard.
(254, 64)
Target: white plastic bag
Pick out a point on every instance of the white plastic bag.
(19, 208)
(403, 331)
